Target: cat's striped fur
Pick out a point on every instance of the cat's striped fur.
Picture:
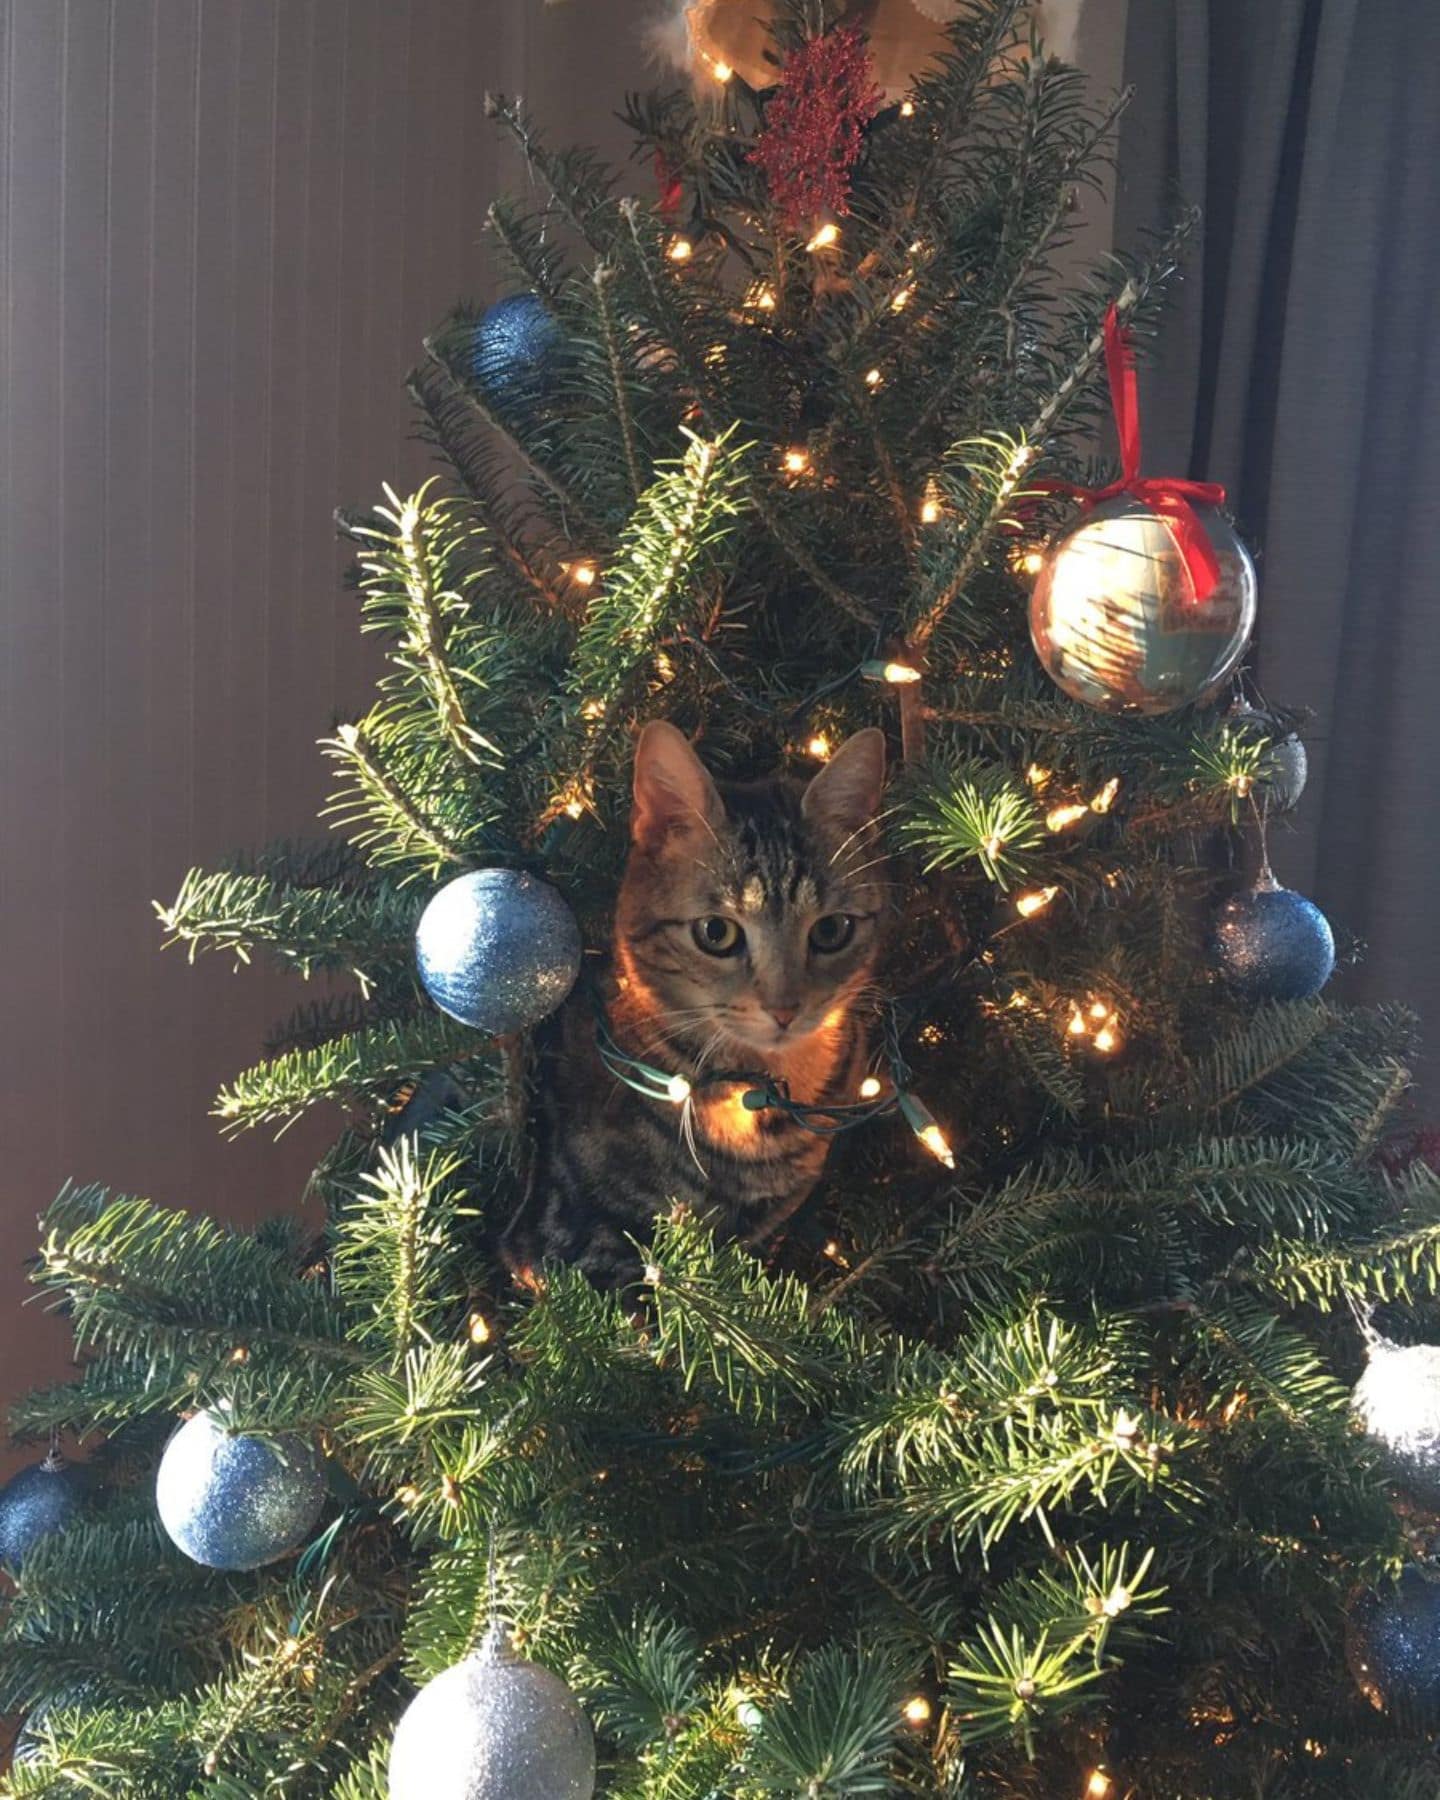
(778, 863)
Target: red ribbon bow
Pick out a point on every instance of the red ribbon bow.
(1173, 498)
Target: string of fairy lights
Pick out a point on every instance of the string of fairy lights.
(759, 1091)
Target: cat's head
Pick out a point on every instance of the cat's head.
(755, 910)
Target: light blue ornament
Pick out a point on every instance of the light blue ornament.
(39, 1500)
(231, 1500)
(498, 949)
(493, 1727)
(1273, 944)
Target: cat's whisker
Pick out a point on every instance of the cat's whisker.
(860, 830)
(851, 873)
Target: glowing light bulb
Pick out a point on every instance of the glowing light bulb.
(870, 1088)
(480, 1332)
(1105, 799)
(907, 109)
(761, 298)
(593, 709)
(818, 747)
(902, 297)
(1027, 905)
(831, 1249)
(1099, 1786)
(873, 378)
(1099, 1010)
(924, 1124)
(1077, 1026)
(723, 72)
(583, 574)
(239, 1354)
(934, 1140)
(681, 250)
(1106, 1040)
(796, 462)
(917, 1710)
(930, 505)
(1028, 562)
(826, 237)
(1036, 776)
(678, 1089)
(1060, 818)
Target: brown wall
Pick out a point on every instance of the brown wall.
(224, 225)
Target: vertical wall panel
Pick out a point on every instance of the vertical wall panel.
(224, 227)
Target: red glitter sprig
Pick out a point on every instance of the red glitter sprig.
(815, 124)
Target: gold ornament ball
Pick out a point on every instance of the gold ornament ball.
(1114, 617)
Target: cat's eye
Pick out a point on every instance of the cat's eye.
(717, 935)
(832, 933)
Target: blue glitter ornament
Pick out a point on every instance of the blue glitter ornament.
(1392, 1644)
(29, 1742)
(494, 1727)
(515, 350)
(498, 949)
(1273, 944)
(37, 1501)
(234, 1501)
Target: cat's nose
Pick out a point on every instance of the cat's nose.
(783, 1016)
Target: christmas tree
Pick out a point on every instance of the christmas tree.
(1021, 1458)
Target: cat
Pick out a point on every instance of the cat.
(748, 926)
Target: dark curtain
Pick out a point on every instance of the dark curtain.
(1300, 366)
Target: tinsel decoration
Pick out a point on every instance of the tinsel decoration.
(234, 1500)
(1397, 1403)
(1392, 1644)
(493, 1727)
(815, 126)
(37, 1501)
(498, 949)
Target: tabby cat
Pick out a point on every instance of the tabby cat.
(748, 925)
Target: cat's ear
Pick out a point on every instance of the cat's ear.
(673, 788)
(845, 796)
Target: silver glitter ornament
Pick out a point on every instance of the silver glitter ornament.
(1114, 617)
(494, 1727)
(231, 1500)
(1392, 1644)
(1271, 943)
(1397, 1401)
(1284, 765)
(498, 949)
(39, 1500)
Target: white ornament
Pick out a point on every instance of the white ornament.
(494, 1727)
(1397, 1401)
